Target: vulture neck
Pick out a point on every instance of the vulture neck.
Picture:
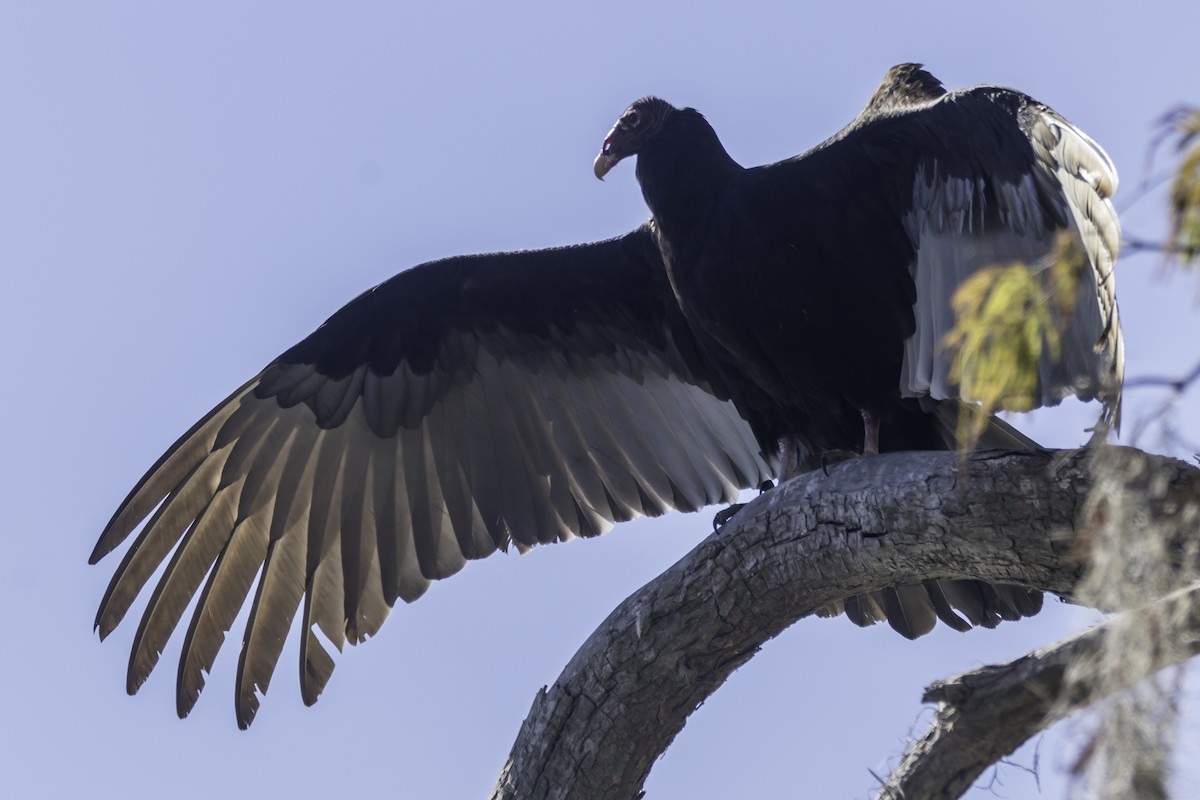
(683, 172)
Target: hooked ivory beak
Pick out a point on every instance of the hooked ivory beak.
(606, 160)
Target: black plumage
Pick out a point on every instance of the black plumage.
(479, 402)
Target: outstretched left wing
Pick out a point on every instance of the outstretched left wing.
(460, 406)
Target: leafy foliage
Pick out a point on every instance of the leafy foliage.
(1006, 319)
(1183, 124)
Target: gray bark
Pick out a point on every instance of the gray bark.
(987, 713)
(873, 522)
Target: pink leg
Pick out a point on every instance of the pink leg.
(788, 466)
(871, 440)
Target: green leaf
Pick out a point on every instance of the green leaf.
(1006, 318)
(1183, 124)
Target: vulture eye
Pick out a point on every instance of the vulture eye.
(632, 119)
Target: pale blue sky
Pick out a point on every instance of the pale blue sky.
(184, 194)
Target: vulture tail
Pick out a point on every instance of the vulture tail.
(961, 604)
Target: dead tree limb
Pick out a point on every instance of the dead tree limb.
(987, 713)
(873, 522)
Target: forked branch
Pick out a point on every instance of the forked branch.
(1007, 517)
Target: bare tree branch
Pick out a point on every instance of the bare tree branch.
(1176, 384)
(987, 713)
(1131, 244)
(873, 522)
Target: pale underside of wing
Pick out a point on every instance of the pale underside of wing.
(520, 451)
(959, 228)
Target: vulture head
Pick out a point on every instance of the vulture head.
(633, 129)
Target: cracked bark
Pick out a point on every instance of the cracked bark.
(987, 713)
(873, 522)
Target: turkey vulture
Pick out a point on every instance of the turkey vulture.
(756, 321)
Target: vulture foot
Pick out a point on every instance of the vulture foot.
(724, 515)
(831, 458)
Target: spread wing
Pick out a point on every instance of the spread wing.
(925, 189)
(460, 407)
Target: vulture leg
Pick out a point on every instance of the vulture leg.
(871, 428)
(789, 467)
(789, 459)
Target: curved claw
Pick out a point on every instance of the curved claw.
(724, 515)
(831, 457)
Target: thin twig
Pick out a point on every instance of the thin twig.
(1137, 245)
(1178, 385)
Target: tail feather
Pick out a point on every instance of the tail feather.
(865, 610)
(1014, 602)
(949, 595)
(998, 435)
(909, 610)
(960, 604)
(913, 610)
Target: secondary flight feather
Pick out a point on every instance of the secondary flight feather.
(760, 319)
